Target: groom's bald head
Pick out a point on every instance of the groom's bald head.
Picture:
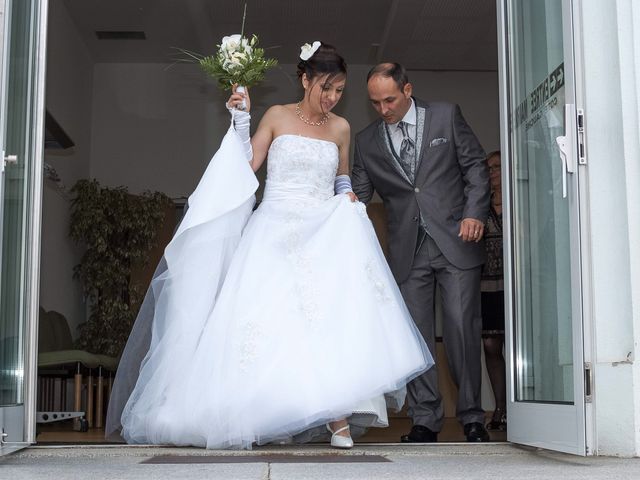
(394, 71)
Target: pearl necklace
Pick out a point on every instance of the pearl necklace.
(322, 121)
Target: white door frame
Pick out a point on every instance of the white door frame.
(22, 417)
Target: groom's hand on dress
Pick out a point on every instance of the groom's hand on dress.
(471, 230)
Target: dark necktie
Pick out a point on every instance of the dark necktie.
(407, 149)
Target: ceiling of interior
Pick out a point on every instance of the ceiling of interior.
(421, 34)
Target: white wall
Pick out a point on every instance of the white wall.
(628, 13)
(68, 99)
(153, 128)
(612, 83)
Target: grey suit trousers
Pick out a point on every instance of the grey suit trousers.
(462, 328)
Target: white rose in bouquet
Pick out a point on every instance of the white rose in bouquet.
(236, 44)
(231, 43)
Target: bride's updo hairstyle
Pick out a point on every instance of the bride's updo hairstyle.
(324, 61)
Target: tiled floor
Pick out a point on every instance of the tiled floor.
(452, 432)
(443, 461)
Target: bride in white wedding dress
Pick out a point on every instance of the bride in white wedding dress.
(275, 324)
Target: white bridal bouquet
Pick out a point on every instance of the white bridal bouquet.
(239, 60)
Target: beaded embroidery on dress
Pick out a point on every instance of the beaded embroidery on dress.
(302, 325)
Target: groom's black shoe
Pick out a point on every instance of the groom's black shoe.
(420, 434)
(475, 432)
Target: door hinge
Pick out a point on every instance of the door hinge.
(582, 156)
(588, 382)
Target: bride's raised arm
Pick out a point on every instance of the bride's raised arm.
(258, 145)
(261, 140)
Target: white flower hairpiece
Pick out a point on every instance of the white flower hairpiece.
(307, 51)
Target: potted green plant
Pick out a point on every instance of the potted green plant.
(118, 230)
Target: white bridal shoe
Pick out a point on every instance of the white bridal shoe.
(339, 441)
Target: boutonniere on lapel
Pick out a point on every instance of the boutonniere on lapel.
(438, 141)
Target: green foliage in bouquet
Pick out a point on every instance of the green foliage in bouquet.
(118, 229)
(240, 62)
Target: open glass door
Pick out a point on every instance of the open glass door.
(22, 43)
(546, 382)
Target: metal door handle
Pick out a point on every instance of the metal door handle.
(11, 159)
(566, 144)
(562, 145)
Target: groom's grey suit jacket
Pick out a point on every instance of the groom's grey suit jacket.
(451, 183)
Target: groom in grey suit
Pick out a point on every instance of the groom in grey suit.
(426, 164)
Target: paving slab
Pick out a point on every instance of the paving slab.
(312, 462)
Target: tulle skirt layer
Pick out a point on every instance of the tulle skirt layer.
(308, 326)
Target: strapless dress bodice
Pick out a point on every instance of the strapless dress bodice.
(301, 169)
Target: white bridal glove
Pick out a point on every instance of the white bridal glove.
(242, 124)
(342, 184)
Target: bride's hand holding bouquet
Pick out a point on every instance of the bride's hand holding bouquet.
(239, 98)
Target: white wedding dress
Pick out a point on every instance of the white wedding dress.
(269, 324)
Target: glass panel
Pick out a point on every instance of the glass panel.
(540, 214)
(15, 200)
